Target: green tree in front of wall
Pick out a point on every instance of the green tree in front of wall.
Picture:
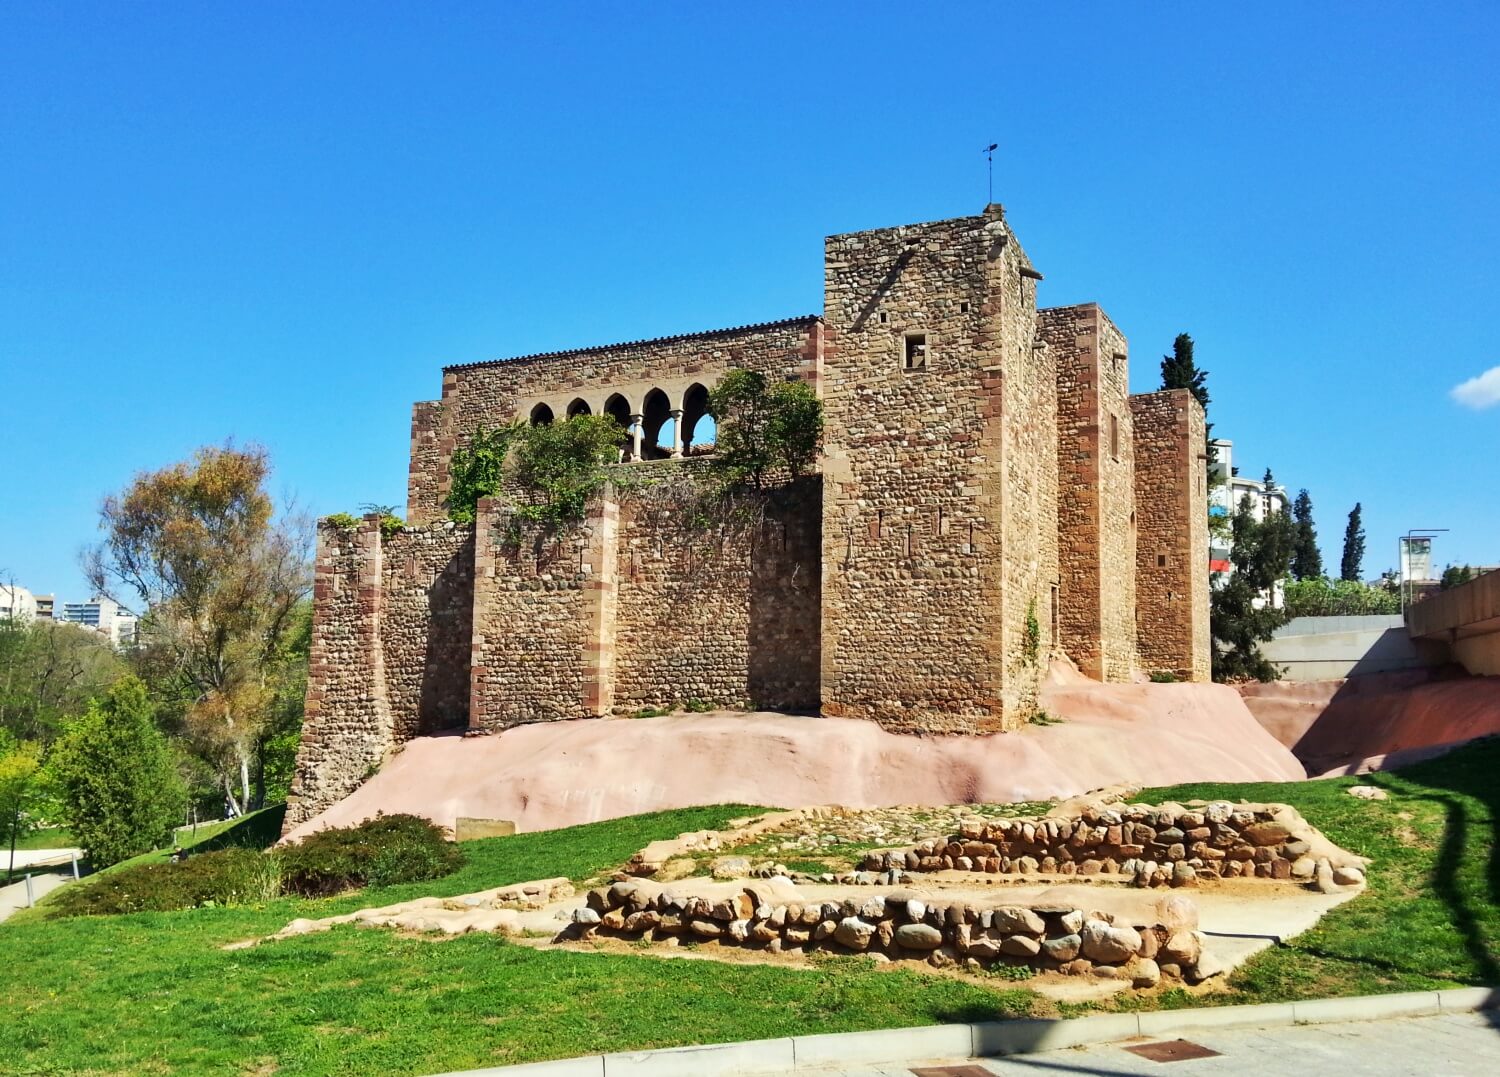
(1241, 616)
(561, 467)
(765, 430)
(119, 785)
(1455, 576)
(477, 468)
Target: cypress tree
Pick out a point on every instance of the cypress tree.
(1307, 561)
(1354, 546)
(1180, 371)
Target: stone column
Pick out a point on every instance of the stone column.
(676, 432)
(635, 436)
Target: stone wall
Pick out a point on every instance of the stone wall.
(426, 627)
(1171, 495)
(918, 630)
(641, 606)
(346, 725)
(533, 627)
(725, 614)
(426, 476)
(903, 925)
(1151, 846)
(1096, 505)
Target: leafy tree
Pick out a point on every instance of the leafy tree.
(221, 579)
(48, 672)
(477, 468)
(1240, 615)
(1455, 575)
(1307, 560)
(120, 790)
(764, 429)
(20, 771)
(1354, 546)
(560, 467)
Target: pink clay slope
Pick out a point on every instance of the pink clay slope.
(555, 774)
(1375, 722)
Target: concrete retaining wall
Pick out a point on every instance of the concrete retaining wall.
(1333, 648)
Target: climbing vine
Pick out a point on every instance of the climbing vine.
(1031, 642)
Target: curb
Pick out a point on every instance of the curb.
(988, 1040)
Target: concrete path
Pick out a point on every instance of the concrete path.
(1448, 1045)
(34, 858)
(13, 897)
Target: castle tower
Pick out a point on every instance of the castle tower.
(940, 478)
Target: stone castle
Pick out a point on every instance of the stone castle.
(990, 496)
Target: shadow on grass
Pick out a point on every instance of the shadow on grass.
(1474, 775)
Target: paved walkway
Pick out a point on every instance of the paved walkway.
(1450, 1045)
(13, 897)
(30, 858)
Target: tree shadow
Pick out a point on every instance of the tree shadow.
(1471, 775)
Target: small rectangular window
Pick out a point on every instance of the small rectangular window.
(882, 317)
(1114, 436)
(963, 308)
(916, 351)
(1161, 560)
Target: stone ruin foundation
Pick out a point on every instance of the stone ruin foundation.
(1062, 894)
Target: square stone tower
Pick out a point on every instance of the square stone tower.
(940, 478)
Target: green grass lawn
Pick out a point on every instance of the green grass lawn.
(58, 837)
(154, 993)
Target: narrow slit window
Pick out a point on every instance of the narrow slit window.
(916, 351)
(1114, 436)
(1161, 560)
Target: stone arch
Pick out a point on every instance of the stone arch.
(580, 406)
(618, 408)
(694, 408)
(541, 415)
(656, 412)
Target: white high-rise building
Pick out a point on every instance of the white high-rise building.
(1226, 493)
(103, 615)
(16, 603)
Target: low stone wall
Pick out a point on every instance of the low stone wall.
(902, 925)
(1151, 846)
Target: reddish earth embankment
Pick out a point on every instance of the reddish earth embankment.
(555, 774)
(1375, 722)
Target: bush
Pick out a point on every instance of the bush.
(382, 851)
(226, 877)
(1322, 597)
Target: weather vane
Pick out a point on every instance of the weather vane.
(989, 154)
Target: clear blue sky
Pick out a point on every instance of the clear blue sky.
(276, 222)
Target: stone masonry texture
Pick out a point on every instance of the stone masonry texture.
(989, 497)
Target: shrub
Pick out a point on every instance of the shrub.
(478, 468)
(227, 877)
(1322, 597)
(381, 851)
(342, 520)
